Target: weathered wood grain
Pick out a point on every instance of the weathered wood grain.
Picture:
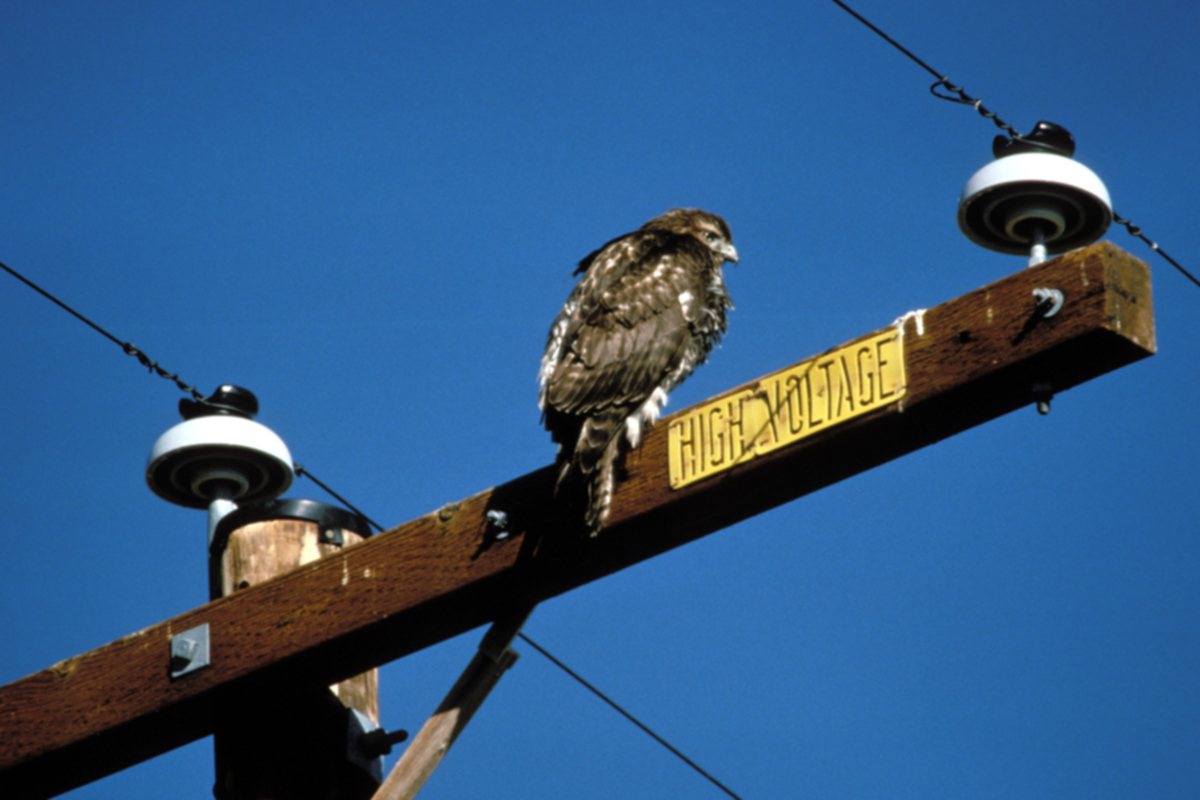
(446, 573)
(289, 742)
(437, 735)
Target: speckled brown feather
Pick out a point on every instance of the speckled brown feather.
(648, 309)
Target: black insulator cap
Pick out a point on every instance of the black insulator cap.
(1045, 138)
(227, 400)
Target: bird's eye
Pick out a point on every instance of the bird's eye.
(711, 237)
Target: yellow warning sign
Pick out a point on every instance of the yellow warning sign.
(785, 407)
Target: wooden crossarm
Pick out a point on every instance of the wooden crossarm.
(962, 363)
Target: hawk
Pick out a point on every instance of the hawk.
(649, 308)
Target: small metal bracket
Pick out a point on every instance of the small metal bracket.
(1049, 299)
(379, 742)
(1043, 393)
(498, 525)
(360, 725)
(189, 651)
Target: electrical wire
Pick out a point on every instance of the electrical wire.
(153, 366)
(1134, 230)
(890, 40)
(300, 470)
(943, 80)
(977, 104)
(628, 716)
(129, 349)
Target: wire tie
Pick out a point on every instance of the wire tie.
(950, 86)
(966, 99)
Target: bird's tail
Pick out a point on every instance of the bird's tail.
(602, 485)
(590, 469)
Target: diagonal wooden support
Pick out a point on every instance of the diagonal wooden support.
(963, 363)
(433, 741)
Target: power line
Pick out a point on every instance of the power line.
(153, 365)
(891, 41)
(944, 80)
(300, 470)
(1134, 230)
(629, 716)
(977, 104)
(129, 349)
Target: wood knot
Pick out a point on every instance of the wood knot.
(447, 512)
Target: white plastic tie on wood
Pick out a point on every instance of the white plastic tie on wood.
(918, 316)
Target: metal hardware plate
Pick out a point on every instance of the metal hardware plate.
(189, 651)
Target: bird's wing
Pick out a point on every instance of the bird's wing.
(628, 322)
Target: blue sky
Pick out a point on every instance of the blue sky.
(369, 213)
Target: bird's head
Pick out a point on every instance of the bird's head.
(708, 228)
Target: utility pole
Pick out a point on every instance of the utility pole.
(892, 391)
(298, 739)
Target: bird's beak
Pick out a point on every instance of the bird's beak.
(730, 253)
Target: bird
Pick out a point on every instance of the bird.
(649, 309)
